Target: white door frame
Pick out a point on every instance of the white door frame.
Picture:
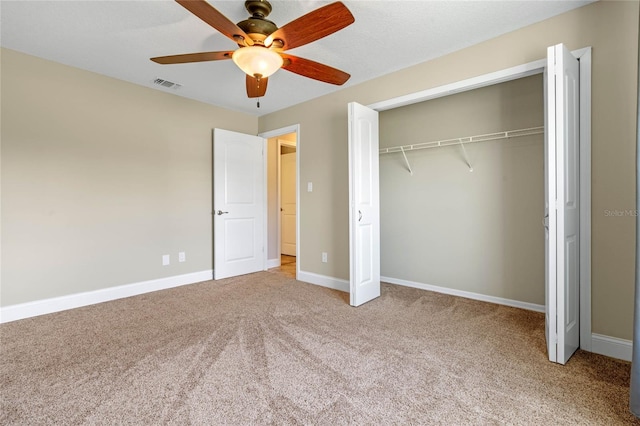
(521, 71)
(295, 128)
(281, 143)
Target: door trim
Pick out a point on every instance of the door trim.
(521, 71)
(295, 128)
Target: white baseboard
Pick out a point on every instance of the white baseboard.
(600, 344)
(466, 294)
(273, 263)
(324, 281)
(57, 304)
(612, 346)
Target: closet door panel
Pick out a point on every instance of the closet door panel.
(364, 202)
(562, 218)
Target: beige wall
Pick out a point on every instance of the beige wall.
(611, 28)
(477, 231)
(100, 178)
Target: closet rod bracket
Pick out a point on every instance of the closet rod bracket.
(464, 153)
(406, 160)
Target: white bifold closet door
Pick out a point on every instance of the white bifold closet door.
(562, 204)
(364, 205)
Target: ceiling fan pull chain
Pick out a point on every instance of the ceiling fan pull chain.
(258, 78)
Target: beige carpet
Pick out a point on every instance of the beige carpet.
(264, 349)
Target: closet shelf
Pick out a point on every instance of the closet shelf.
(464, 140)
(461, 141)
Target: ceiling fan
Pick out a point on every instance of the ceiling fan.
(261, 43)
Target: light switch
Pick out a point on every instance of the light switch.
(309, 186)
(166, 259)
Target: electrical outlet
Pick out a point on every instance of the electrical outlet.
(166, 259)
(182, 257)
(324, 257)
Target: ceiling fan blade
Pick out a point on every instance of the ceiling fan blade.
(217, 20)
(192, 57)
(314, 70)
(256, 88)
(312, 26)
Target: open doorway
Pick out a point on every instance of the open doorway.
(283, 237)
(287, 202)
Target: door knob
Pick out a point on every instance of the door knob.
(359, 215)
(220, 212)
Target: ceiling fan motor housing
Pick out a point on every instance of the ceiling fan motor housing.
(256, 26)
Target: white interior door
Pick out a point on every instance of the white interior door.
(238, 202)
(562, 204)
(288, 203)
(364, 202)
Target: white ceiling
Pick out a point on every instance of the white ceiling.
(117, 38)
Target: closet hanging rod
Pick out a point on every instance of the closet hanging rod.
(464, 140)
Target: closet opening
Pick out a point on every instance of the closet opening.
(560, 105)
(462, 193)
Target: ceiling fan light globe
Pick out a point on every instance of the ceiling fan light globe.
(257, 60)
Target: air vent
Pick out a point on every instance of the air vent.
(166, 83)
